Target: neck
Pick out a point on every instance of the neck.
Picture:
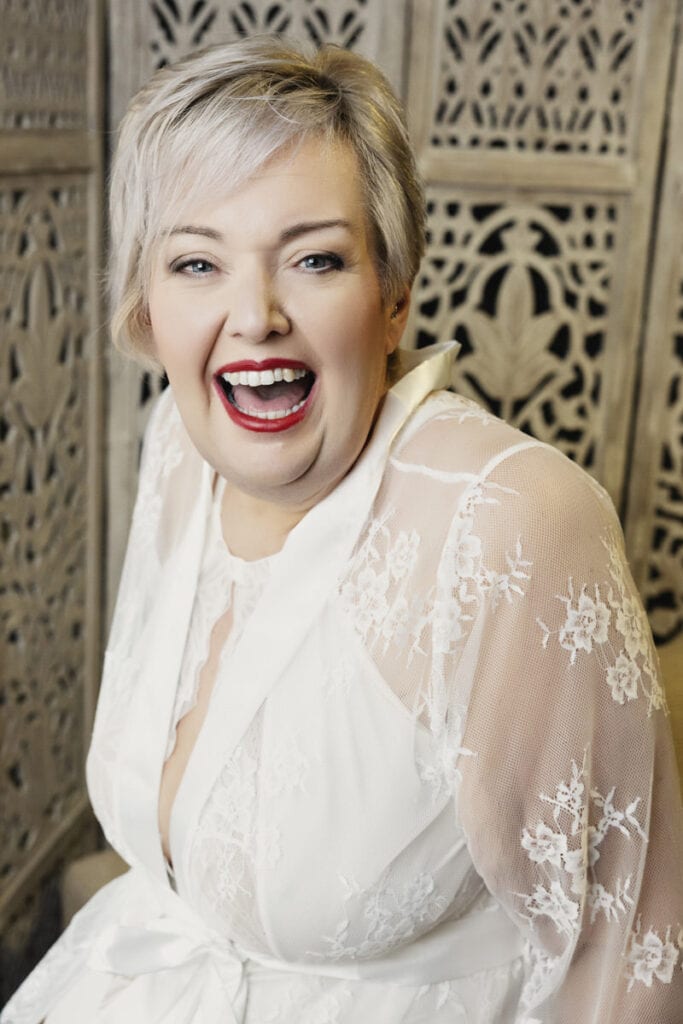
(254, 528)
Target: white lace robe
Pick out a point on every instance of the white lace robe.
(435, 782)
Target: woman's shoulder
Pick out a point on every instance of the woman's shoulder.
(453, 440)
(449, 431)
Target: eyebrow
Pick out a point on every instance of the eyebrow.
(288, 235)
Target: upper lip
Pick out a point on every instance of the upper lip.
(266, 364)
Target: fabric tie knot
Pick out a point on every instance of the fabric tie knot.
(208, 980)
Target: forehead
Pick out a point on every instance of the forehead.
(311, 179)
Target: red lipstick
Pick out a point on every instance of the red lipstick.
(258, 424)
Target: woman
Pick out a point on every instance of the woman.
(380, 733)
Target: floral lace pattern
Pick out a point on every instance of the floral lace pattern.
(575, 851)
(287, 768)
(306, 1002)
(388, 610)
(226, 828)
(162, 455)
(629, 664)
(392, 914)
(225, 583)
(541, 971)
(377, 596)
(213, 599)
(650, 957)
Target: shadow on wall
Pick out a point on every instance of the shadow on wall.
(19, 952)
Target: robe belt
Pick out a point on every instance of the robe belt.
(208, 983)
(159, 932)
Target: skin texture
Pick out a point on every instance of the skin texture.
(280, 268)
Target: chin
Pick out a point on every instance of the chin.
(288, 483)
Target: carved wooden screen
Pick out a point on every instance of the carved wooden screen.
(50, 552)
(654, 522)
(537, 125)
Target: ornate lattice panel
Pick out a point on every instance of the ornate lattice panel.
(42, 84)
(178, 27)
(537, 126)
(526, 288)
(663, 584)
(538, 75)
(146, 35)
(655, 509)
(43, 508)
(50, 488)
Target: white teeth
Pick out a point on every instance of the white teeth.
(262, 378)
(258, 414)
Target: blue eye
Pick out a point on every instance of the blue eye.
(195, 267)
(318, 262)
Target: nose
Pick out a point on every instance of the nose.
(254, 310)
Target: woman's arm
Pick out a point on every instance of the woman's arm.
(571, 801)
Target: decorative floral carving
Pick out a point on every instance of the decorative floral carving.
(179, 26)
(525, 289)
(41, 75)
(43, 507)
(663, 584)
(531, 75)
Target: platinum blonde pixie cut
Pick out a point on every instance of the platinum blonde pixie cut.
(206, 124)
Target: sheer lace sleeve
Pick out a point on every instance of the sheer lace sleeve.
(569, 795)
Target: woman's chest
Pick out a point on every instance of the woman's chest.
(328, 826)
(211, 645)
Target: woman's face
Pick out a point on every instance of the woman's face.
(266, 314)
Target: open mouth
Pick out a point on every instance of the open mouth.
(267, 396)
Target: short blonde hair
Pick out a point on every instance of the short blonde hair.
(208, 123)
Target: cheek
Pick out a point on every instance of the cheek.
(358, 339)
(180, 337)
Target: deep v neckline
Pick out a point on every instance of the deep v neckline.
(227, 588)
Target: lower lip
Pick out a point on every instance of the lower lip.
(257, 425)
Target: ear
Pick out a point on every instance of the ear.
(145, 338)
(397, 318)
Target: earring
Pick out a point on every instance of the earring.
(394, 312)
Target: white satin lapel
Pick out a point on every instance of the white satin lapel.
(314, 556)
(143, 751)
(429, 369)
